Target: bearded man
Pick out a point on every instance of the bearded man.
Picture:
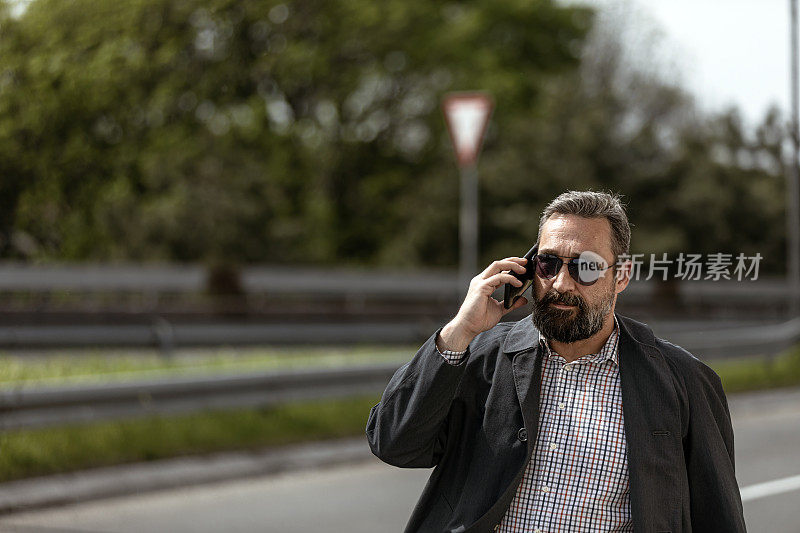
(573, 419)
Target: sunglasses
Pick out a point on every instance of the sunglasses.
(585, 269)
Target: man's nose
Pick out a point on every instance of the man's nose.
(563, 282)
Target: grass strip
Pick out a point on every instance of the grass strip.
(746, 374)
(34, 452)
(107, 365)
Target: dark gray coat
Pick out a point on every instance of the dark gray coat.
(477, 423)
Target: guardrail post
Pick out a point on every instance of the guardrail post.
(164, 335)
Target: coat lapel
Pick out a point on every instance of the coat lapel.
(649, 409)
(527, 368)
(522, 345)
(521, 349)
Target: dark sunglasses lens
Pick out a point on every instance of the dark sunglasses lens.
(547, 266)
(580, 271)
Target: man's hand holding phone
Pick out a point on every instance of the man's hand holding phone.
(480, 312)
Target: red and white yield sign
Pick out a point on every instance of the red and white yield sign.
(467, 115)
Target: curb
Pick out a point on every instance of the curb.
(120, 480)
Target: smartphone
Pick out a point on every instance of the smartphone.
(512, 293)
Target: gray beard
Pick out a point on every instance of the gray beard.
(568, 325)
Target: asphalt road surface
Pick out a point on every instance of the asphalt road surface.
(372, 497)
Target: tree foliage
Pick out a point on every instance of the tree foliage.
(693, 182)
(250, 130)
(310, 132)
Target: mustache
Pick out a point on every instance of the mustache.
(554, 297)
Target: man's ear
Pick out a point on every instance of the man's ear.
(622, 275)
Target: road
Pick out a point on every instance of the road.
(372, 497)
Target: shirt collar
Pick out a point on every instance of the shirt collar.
(610, 349)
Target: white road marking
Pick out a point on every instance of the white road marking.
(770, 488)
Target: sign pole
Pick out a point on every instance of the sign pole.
(793, 192)
(467, 115)
(468, 226)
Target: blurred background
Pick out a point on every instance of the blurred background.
(224, 224)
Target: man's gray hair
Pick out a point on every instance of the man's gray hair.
(591, 204)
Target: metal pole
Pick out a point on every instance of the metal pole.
(468, 226)
(793, 192)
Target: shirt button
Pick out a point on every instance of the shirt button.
(566, 368)
(553, 445)
(522, 434)
(537, 530)
(561, 405)
(545, 488)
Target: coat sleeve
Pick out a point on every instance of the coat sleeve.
(408, 427)
(716, 505)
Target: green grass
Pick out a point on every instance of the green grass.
(32, 452)
(27, 453)
(96, 365)
(739, 375)
(103, 365)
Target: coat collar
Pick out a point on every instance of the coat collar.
(523, 336)
(636, 330)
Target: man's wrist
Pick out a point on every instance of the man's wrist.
(453, 338)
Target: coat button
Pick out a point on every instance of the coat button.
(522, 434)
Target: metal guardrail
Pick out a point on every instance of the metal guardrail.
(292, 280)
(335, 305)
(165, 335)
(50, 406)
(718, 342)
(173, 278)
(740, 341)
(27, 408)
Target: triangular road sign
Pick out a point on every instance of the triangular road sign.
(467, 115)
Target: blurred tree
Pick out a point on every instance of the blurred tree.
(309, 132)
(245, 130)
(694, 183)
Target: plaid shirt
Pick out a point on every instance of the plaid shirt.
(578, 478)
